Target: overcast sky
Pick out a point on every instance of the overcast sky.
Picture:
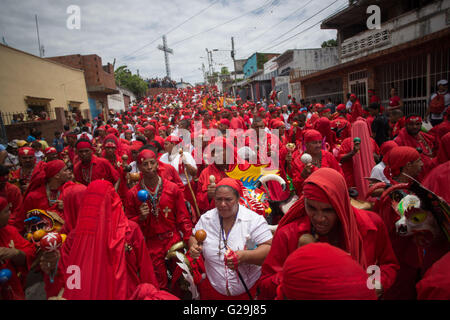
(130, 31)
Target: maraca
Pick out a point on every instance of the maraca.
(306, 158)
(357, 140)
(143, 195)
(200, 236)
(212, 180)
(305, 239)
(51, 242)
(290, 146)
(5, 275)
(135, 176)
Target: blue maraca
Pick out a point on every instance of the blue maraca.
(142, 195)
(5, 275)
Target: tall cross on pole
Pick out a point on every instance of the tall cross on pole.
(166, 50)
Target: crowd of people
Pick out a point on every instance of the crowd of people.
(120, 201)
(162, 83)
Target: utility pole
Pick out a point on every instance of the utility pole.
(204, 72)
(39, 41)
(210, 65)
(234, 63)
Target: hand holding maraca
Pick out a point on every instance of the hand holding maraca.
(356, 145)
(211, 187)
(196, 249)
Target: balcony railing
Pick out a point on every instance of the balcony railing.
(298, 73)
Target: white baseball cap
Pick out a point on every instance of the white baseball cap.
(442, 82)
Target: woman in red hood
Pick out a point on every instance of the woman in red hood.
(325, 213)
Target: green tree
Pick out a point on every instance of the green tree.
(330, 43)
(133, 82)
(224, 70)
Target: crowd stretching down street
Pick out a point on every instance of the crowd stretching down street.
(321, 172)
(283, 202)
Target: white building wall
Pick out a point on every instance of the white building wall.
(116, 102)
(402, 29)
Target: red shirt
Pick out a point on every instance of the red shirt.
(98, 169)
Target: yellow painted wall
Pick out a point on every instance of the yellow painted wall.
(22, 74)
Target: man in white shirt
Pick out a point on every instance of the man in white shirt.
(172, 157)
(378, 170)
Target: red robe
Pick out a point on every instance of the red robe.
(344, 127)
(424, 141)
(440, 130)
(13, 195)
(347, 166)
(237, 123)
(101, 169)
(13, 289)
(435, 284)
(396, 127)
(357, 111)
(376, 245)
(163, 231)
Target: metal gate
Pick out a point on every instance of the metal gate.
(357, 82)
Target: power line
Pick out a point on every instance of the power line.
(222, 24)
(295, 27)
(268, 3)
(173, 29)
(304, 30)
(314, 15)
(271, 27)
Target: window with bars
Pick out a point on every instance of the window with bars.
(410, 77)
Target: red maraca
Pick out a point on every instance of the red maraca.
(51, 242)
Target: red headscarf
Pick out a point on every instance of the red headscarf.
(225, 122)
(435, 285)
(98, 246)
(72, 196)
(312, 135)
(232, 183)
(173, 139)
(42, 173)
(387, 146)
(397, 158)
(320, 271)
(328, 186)
(136, 145)
(444, 149)
(363, 161)
(323, 125)
(144, 155)
(50, 150)
(26, 151)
